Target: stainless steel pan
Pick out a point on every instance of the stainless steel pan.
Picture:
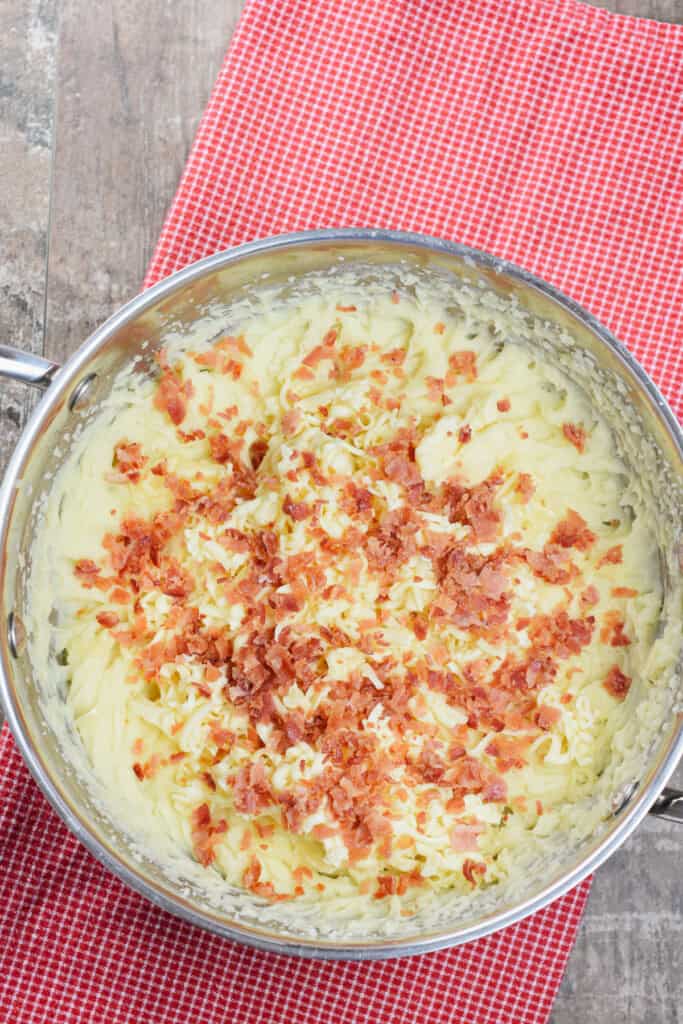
(71, 391)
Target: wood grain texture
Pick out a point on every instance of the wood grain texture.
(105, 104)
(28, 31)
(133, 81)
(659, 10)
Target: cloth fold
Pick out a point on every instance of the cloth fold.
(541, 130)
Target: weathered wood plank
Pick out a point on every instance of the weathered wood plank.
(659, 10)
(28, 31)
(627, 964)
(133, 80)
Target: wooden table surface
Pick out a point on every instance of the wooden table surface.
(99, 102)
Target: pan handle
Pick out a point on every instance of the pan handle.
(669, 805)
(26, 368)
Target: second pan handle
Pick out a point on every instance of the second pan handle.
(26, 368)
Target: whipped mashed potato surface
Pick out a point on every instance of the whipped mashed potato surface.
(351, 601)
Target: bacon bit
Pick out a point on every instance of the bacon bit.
(573, 532)
(264, 829)
(346, 309)
(357, 500)
(462, 364)
(471, 868)
(419, 625)
(290, 422)
(179, 755)
(576, 435)
(302, 872)
(192, 435)
(546, 717)
(257, 453)
(107, 619)
(566, 698)
(435, 388)
(473, 506)
(508, 751)
(209, 358)
(304, 373)
(391, 541)
(323, 832)
(395, 298)
(85, 568)
(119, 596)
(174, 581)
(129, 460)
(296, 510)
(343, 427)
(560, 635)
(465, 838)
(503, 405)
(624, 592)
(159, 469)
(201, 816)
(230, 343)
(233, 368)
(612, 631)
(149, 768)
(387, 885)
(525, 486)
(352, 357)
(616, 683)
(589, 597)
(613, 556)
(552, 564)
(251, 874)
(474, 589)
(465, 434)
(138, 746)
(539, 808)
(494, 791)
(439, 327)
(223, 738)
(170, 397)
(394, 357)
(251, 790)
(321, 352)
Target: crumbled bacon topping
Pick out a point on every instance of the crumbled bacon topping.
(525, 487)
(613, 556)
(576, 435)
(474, 506)
(171, 397)
(462, 364)
(616, 683)
(279, 667)
(129, 460)
(612, 631)
(573, 532)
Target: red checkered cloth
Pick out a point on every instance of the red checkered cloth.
(541, 130)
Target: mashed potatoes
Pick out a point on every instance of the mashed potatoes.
(352, 599)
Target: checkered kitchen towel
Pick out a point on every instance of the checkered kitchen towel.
(541, 130)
